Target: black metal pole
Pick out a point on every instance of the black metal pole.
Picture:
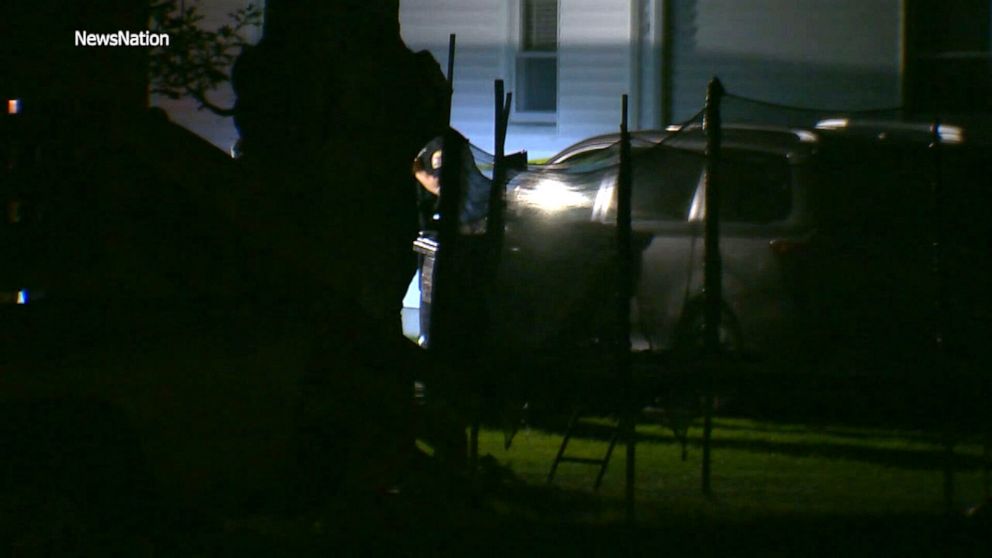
(624, 291)
(712, 280)
(494, 228)
(494, 234)
(713, 265)
(473, 446)
(943, 376)
(448, 204)
(451, 73)
(499, 134)
(987, 469)
(937, 237)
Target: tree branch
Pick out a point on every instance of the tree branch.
(201, 97)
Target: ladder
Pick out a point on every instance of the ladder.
(574, 424)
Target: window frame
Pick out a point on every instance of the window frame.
(517, 54)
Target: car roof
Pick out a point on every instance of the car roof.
(951, 131)
(787, 142)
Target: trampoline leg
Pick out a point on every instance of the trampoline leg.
(707, 436)
(473, 447)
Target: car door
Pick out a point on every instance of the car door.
(756, 216)
(665, 181)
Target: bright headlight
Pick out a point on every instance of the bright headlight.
(550, 196)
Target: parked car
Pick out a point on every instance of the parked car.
(827, 236)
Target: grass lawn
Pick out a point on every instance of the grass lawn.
(778, 490)
(760, 469)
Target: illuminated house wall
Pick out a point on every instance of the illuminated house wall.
(837, 53)
(594, 65)
(841, 53)
(844, 54)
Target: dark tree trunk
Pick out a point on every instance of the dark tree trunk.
(332, 108)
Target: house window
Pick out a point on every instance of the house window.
(536, 88)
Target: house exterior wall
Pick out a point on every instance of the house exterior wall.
(844, 54)
(481, 29)
(594, 65)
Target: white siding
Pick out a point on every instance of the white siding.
(595, 66)
(648, 23)
(594, 62)
(820, 53)
(481, 29)
(832, 53)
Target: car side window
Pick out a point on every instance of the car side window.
(665, 181)
(754, 188)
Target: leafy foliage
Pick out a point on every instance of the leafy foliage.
(197, 59)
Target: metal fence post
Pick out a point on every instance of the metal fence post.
(624, 291)
(451, 73)
(939, 314)
(713, 271)
(448, 204)
(497, 202)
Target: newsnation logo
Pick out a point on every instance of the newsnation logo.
(122, 38)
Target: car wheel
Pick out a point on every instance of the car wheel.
(690, 334)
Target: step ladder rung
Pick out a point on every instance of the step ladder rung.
(574, 424)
